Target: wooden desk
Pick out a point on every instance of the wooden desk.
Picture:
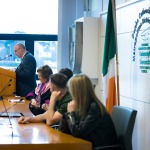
(35, 136)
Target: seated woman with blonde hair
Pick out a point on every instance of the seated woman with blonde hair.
(41, 94)
(86, 116)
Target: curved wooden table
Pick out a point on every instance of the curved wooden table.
(36, 136)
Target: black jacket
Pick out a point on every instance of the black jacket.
(26, 75)
(44, 97)
(94, 128)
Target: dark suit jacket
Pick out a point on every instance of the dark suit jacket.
(26, 75)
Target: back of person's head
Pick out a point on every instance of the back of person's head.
(58, 79)
(80, 87)
(45, 71)
(67, 72)
(82, 91)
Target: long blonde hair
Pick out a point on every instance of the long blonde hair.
(82, 91)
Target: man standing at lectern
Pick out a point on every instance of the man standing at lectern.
(25, 72)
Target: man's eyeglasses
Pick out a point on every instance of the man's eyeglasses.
(17, 50)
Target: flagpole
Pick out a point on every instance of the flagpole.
(117, 72)
(117, 61)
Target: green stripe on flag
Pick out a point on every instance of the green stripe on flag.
(110, 40)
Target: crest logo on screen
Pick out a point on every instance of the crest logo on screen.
(141, 41)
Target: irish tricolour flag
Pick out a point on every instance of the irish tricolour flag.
(109, 58)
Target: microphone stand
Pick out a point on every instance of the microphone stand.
(6, 98)
(12, 106)
(7, 109)
(1, 98)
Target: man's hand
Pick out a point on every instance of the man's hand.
(23, 120)
(45, 106)
(55, 96)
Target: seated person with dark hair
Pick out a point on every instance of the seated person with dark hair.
(60, 97)
(67, 72)
(41, 94)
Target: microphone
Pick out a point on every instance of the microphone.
(7, 85)
(5, 88)
(5, 57)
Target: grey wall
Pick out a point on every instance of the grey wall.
(69, 10)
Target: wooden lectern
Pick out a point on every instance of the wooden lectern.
(7, 77)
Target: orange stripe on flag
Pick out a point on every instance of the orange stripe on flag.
(111, 99)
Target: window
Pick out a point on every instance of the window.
(43, 47)
(46, 53)
(29, 16)
(33, 23)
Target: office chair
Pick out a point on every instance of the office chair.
(123, 119)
